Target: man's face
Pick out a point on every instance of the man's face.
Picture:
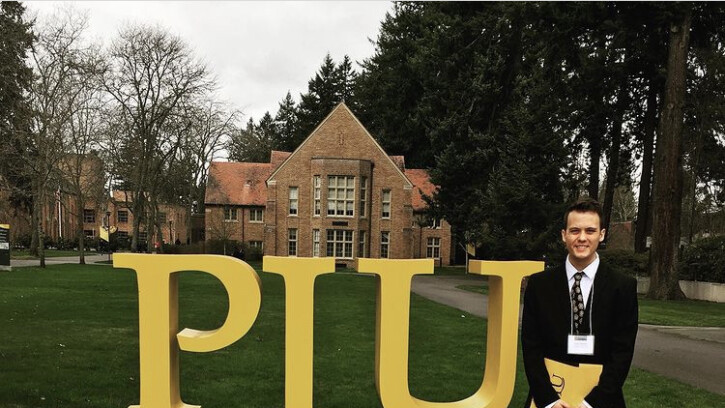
(582, 237)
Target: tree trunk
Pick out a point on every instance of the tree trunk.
(595, 153)
(667, 191)
(614, 152)
(643, 202)
(80, 205)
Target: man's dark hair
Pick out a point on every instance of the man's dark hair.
(585, 204)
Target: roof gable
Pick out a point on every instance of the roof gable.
(339, 128)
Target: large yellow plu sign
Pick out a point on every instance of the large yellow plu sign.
(160, 340)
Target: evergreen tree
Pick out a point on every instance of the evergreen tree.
(286, 124)
(331, 85)
(16, 40)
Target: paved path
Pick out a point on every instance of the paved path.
(692, 355)
(90, 259)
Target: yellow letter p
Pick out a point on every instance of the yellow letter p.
(159, 338)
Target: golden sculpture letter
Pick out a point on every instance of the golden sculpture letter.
(160, 341)
(393, 311)
(299, 281)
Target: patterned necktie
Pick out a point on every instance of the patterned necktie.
(577, 301)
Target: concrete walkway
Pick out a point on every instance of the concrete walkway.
(90, 259)
(692, 355)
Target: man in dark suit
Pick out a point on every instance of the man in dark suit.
(582, 312)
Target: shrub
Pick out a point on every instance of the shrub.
(704, 260)
(220, 246)
(22, 241)
(626, 262)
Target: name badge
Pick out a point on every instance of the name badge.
(582, 345)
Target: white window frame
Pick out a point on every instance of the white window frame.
(435, 223)
(361, 249)
(433, 248)
(316, 196)
(339, 243)
(341, 206)
(292, 242)
(315, 243)
(363, 196)
(253, 245)
(294, 194)
(256, 215)
(386, 204)
(385, 244)
(230, 214)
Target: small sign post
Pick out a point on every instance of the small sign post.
(5, 247)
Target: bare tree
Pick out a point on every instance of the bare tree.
(54, 99)
(152, 75)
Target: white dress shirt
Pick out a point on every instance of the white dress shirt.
(586, 285)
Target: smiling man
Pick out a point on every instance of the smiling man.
(582, 312)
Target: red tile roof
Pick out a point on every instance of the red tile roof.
(235, 183)
(421, 186)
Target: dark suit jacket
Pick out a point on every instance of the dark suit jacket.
(547, 322)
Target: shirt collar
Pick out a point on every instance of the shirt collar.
(589, 271)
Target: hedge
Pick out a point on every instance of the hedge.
(704, 260)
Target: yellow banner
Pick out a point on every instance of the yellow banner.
(103, 233)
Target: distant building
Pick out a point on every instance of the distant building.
(60, 214)
(338, 194)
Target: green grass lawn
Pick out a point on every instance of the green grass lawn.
(681, 313)
(695, 313)
(482, 289)
(70, 339)
(49, 253)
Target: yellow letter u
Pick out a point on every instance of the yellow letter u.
(393, 311)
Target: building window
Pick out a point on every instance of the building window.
(256, 215)
(316, 242)
(122, 216)
(293, 200)
(89, 233)
(316, 193)
(256, 245)
(230, 213)
(384, 244)
(341, 196)
(89, 216)
(361, 244)
(339, 243)
(143, 236)
(122, 234)
(363, 195)
(433, 249)
(161, 216)
(386, 204)
(435, 223)
(292, 242)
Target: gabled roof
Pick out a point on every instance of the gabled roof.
(341, 107)
(232, 183)
(423, 186)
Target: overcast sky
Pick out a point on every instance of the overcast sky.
(257, 50)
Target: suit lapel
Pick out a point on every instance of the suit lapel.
(561, 294)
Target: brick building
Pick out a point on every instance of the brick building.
(62, 212)
(338, 194)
